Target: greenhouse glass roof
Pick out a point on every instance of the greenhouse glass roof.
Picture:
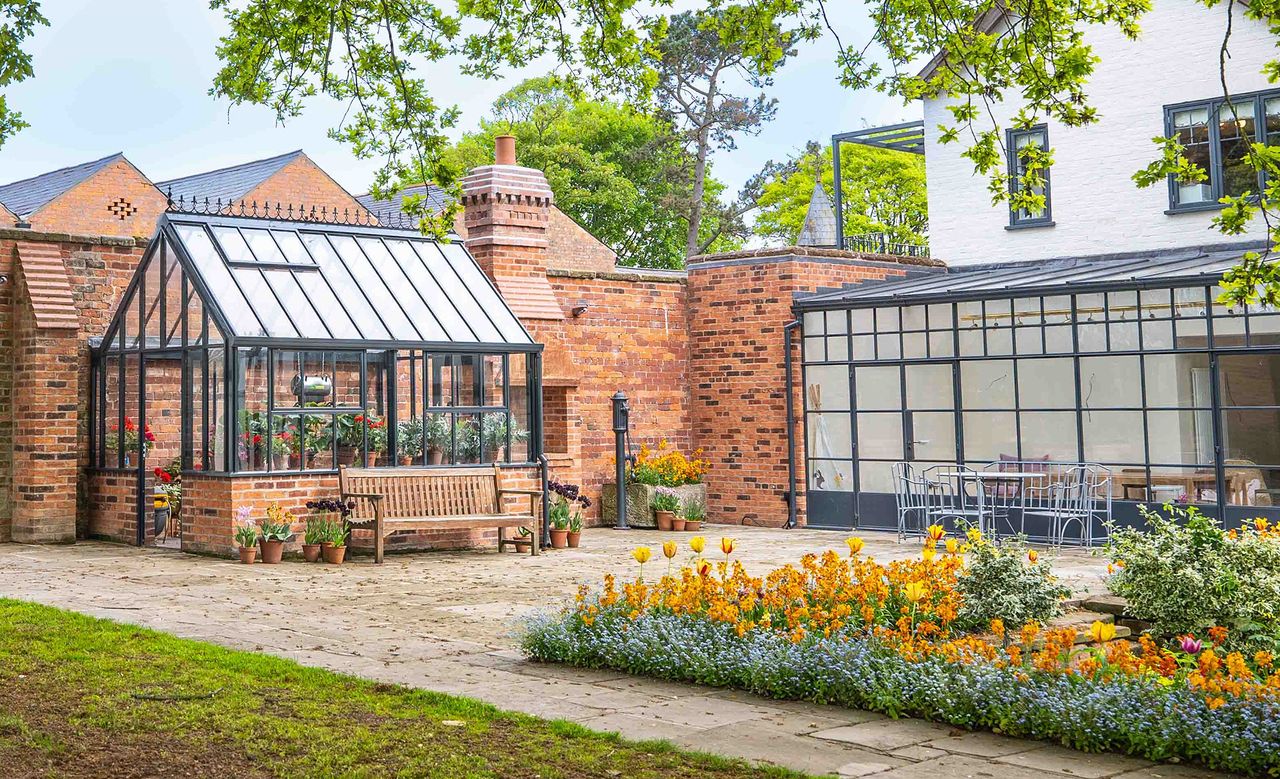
(315, 282)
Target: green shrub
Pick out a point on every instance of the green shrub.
(1002, 582)
(1184, 574)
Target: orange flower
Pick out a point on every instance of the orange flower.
(1033, 556)
(727, 545)
(935, 533)
(1218, 635)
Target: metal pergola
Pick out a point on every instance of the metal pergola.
(275, 341)
(906, 137)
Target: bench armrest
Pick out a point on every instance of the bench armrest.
(374, 496)
(513, 491)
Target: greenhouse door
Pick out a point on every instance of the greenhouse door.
(161, 412)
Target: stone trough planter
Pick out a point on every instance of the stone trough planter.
(640, 502)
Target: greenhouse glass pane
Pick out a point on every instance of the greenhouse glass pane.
(478, 285)
(404, 290)
(431, 291)
(295, 303)
(456, 290)
(294, 252)
(264, 303)
(264, 249)
(232, 244)
(217, 279)
(352, 300)
(373, 286)
(327, 305)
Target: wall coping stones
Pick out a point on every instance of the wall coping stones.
(809, 254)
(622, 274)
(16, 234)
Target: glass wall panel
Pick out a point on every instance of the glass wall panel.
(253, 437)
(930, 386)
(1049, 383)
(1180, 437)
(1048, 435)
(831, 475)
(989, 434)
(111, 412)
(1110, 382)
(1113, 436)
(878, 387)
(217, 396)
(1177, 380)
(987, 384)
(933, 435)
(879, 435)
(830, 437)
(828, 388)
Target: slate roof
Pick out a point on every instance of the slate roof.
(227, 184)
(436, 197)
(820, 222)
(27, 196)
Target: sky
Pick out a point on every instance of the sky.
(134, 76)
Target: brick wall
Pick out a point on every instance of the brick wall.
(302, 181)
(8, 268)
(115, 201)
(738, 306)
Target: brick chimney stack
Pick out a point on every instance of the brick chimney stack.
(506, 212)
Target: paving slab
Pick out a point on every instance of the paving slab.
(963, 767)
(1069, 762)
(982, 744)
(887, 734)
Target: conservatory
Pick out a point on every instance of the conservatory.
(258, 348)
(1129, 364)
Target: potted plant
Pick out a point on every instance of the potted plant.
(330, 513)
(353, 432)
(566, 513)
(467, 434)
(495, 437)
(275, 531)
(695, 513)
(575, 530)
(336, 549)
(246, 536)
(284, 451)
(409, 440)
(436, 438)
(665, 505)
(316, 533)
(135, 440)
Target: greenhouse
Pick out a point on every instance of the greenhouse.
(1127, 365)
(256, 346)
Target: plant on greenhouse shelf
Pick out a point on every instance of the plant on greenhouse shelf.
(409, 440)
(1184, 574)
(1001, 580)
(667, 467)
(436, 438)
(135, 440)
(495, 437)
(467, 434)
(354, 430)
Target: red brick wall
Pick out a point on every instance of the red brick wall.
(86, 208)
(738, 305)
(8, 263)
(302, 181)
(112, 506)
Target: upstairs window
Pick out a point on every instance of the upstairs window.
(1018, 142)
(1215, 135)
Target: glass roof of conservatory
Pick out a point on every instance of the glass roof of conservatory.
(309, 281)
(1084, 274)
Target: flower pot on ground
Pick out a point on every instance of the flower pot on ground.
(334, 554)
(566, 513)
(666, 505)
(336, 547)
(275, 531)
(695, 512)
(246, 535)
(327, 526)
(317, 532)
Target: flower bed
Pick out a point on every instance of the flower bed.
(885, 638)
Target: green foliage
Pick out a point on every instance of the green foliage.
(1184, 574)
(695, 510)
(317, 532)
(1000, 582)
(613, 169)
(18, 20)
(246, 535)
(665, 499)
(883, 190)
(409, 437)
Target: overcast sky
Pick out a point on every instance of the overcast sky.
(134, 75)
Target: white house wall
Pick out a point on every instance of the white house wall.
(1096, 207)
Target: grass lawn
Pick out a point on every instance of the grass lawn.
(84, 697)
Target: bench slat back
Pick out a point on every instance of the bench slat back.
(424, 492)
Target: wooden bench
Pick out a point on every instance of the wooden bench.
(395, 499)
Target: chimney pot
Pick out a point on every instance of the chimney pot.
(504, 150)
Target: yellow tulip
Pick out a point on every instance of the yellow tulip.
(936, 533)
(641, 554)
(974, 534)
(669, 549)
(855, 545)
(929, 552)
(697, 543)
(1033, 556)
(727, 545)
(1261, 524)
(1102, 632)
(953, 546)
(914, 591)
(704, 567)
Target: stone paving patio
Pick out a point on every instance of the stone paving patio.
(445, 621)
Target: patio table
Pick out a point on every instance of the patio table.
(982, 478)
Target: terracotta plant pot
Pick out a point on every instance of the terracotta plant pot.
(311, 552)
(677, 524)
(665, 519)
(348, 455)
(406, 460)
(559, 539)
(435, 456)
(272, 551)
(574, 538)
(692, 525)
(247, 554)
(334, 554)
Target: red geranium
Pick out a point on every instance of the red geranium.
(163, 475)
